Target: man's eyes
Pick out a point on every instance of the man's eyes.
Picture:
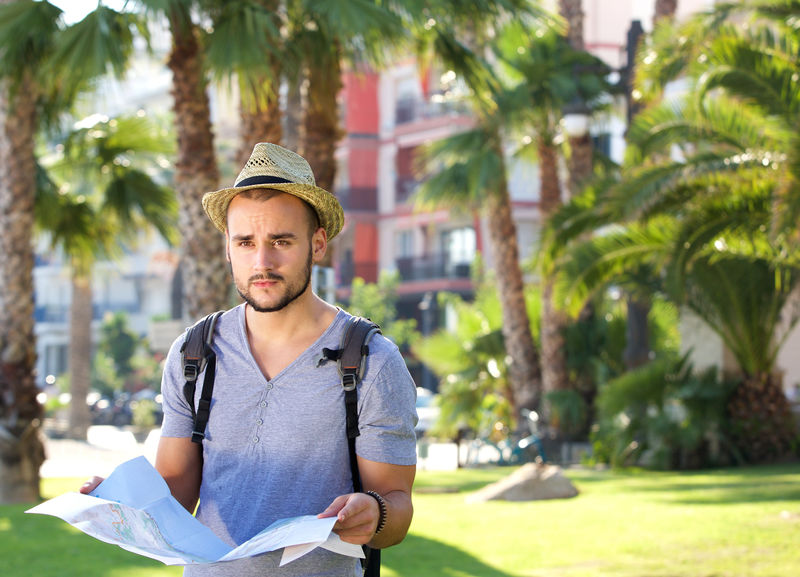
(277, 242)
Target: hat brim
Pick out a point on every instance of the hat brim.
(325, 204)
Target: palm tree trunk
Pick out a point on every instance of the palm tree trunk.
(322, 131)
(555, 375)
(259, 123)
(580, 160)
(260, 112)
(205, 271)
(293, 130)
(764, 428)
(637, 329)
(21, 448)
(524, 370)
(80, 353)
(664, 9)
(572, 12)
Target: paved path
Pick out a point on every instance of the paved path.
(105, 448)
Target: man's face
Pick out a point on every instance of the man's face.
(271, 249)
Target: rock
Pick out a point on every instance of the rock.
(531, 482)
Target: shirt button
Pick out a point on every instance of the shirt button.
(255, 439)
(263, 403)
(260, 422)
(269, 386)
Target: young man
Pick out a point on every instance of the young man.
(275, 445)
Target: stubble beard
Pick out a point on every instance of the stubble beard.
(292, 292)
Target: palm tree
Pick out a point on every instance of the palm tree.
(546, 74)
(664, 10)
(21, 450)
(36, 86)
(246, 46)
(469, 170)
(104, 200)
(333, 35)
(580, 145)
(733, 191)
(203, 267)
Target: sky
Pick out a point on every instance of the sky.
(74, 10)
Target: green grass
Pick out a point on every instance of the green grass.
(726, 523)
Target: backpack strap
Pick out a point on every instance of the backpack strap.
(197, 355)
(351, 358)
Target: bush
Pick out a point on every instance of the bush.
(665, 417)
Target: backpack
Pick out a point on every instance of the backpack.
(351, 356)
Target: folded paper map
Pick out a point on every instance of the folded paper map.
(133, 508)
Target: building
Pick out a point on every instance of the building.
(386, 117)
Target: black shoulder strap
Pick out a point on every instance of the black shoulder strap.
(198, 355)
(351, 359)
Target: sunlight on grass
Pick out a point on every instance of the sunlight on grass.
(731, 523)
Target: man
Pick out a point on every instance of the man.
(275, 445)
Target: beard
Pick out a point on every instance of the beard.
(293, 289)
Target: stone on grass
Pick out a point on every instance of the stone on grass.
(531, 482)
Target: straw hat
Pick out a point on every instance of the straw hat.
(272, 166)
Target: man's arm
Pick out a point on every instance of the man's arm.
(180, 462)
(358, 513)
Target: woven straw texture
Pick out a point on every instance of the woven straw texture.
(271, 160)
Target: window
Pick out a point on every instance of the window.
(458, 245)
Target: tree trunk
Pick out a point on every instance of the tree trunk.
(664, 9)
(555, 375)
(550, 187)
(580, 163)
(524, 370)
(293, 131)
(80, 353)
(637, 332)
(260, 112)
(322, 131)
(580, 160)
(259, 124)
(572, 12)
(203, 265)
(763, 426)
(21, 448)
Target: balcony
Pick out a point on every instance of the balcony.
(358, 199)
(405, 189)
(349, 270)
(411, 110)
(432, 266)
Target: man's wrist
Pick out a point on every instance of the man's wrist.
(381, 510)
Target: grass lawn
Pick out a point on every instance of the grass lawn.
(726, 523)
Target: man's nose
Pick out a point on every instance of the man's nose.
(265, 258)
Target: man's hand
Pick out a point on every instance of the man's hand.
(91, 485)
(356, 515)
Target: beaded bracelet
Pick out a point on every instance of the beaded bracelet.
(382, 509)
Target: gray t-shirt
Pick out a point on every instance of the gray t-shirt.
(277, 448)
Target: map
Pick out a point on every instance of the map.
(133, 508)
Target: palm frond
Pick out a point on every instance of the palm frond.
(246, 37)
(99, 44)
(741, 299)
(27, 33)
(613, 256)
(459, 171)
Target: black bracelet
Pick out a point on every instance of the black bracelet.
(381, 508)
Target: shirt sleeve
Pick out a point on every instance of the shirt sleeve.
(178, 420)
(387, 414)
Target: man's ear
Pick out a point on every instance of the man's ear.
(319, 244)
(227, 246)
